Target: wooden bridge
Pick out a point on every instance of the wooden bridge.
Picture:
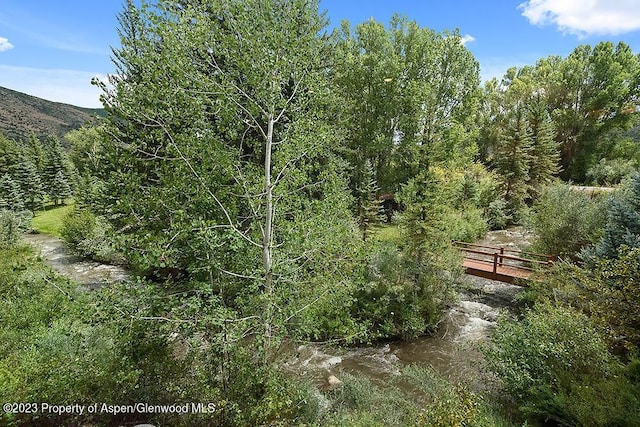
(498, 263)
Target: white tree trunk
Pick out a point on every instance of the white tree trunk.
(267, 243)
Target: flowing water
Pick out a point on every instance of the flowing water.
(452, 351)
(89, 274)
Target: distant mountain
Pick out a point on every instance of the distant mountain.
(22, 114)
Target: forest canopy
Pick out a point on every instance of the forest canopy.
(268, 180)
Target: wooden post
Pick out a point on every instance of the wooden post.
(495, 262)
(501, 258)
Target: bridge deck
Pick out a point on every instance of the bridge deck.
(501, 264)
(503, 273)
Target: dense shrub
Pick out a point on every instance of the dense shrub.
(126, 344)
(402, 296)
(330, 317)
(609, 293)
(611, 172)
(557, 367)
(466, 225)
(88, 235)
(498, 217)
(466, 192)
(565, 221)
(10, 225)
(391, 295)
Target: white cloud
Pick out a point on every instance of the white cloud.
(66, 86)
(467, 39)
(5, 45)
(584, 17)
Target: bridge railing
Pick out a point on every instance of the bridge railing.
(500, 256)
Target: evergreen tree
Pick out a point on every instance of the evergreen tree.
(512, 161)
(59, 190)
(28, 179)
(35, 153)
(55, 174)
(422, 217)
(9, 156)
(623, 224)
(11, 198)
(545, 152)
(368, 204)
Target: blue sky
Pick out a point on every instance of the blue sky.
(52, 49)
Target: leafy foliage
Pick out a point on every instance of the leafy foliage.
(589, 95)
(566, 220)
(402, 296)
(125, 344)
(616, 298)
(611, 172)
(89, 236)
(573, 358)
(416, 397)
(11, 226)
(556, 365)
(407, 98)
(607, 293)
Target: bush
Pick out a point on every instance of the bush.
(565, 221)
(608, 293)
(492, 202)
(497, 214)
(331, 317)
(402, 296)
(88, 235)
(466, 225)
(10, 225)
(131, 343)
(611, 171)
(557, 367)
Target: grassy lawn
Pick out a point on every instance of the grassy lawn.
(388, 233)
(49, 221)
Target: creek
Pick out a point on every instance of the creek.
(452, 351)
(89, 274)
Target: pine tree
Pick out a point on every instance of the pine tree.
(28, 178)
(11, 198)
(9, 156)
(513, 159)
(623, 223)
(545, 152)
(35, 153)
(55, 173)
(60, 190)
(422, 216)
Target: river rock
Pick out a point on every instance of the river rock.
(331, 383)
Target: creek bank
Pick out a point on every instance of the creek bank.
(452, 351)
(89, 274)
